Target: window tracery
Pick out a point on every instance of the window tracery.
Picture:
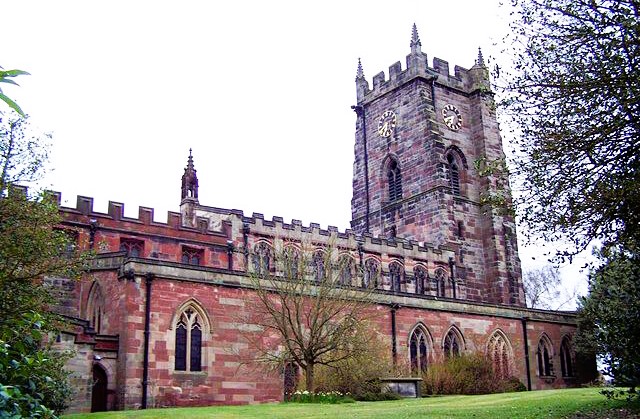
(371, 273)
(500, 354)
(421, 278)
(396, 276)
(188, 340)
(133, 247)
(418, 350)
(566, 358)
(452, 343)
(262, 258)
(544, 355)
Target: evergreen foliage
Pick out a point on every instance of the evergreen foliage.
(609, 317)
(32, 247)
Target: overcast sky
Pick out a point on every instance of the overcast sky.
(260, 90)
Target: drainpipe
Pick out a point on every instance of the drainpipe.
(245, 241)
(147, 323)
(526, 351)
(230, 254)
(93, 226)
(394, 350)
(359, 110)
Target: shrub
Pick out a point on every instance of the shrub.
(33, 382)
(358, 376)
(466, 374)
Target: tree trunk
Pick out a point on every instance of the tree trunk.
(308, 372)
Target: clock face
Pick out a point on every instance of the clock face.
(387, 124)
(451, 117)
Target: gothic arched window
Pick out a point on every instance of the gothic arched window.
(188, 338)
(453, 174)
(290, 261)
(500, 354)
(262, 258)
(396, 276)
(566, 358)
(418, 350)
(394, 179)
(421, 277)
(346, 268)
(133, 247)
(371, 273)
(317, 268)
(544, 355)
(452, 343)
(95, 307)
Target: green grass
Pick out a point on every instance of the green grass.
(534, 404)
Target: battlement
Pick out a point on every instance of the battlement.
(313, 233)
(464, 80)
(236, 221)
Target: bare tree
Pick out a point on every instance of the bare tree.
(311, 308)
(543, 289)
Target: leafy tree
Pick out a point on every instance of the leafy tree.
(32, 247)
(574, 95)
(310, 311)
(608, 316)
(6, 77)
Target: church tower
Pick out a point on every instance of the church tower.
(421, 134)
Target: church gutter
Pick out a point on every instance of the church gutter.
(147, 322)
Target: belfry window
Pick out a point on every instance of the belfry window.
(188, 341)
(453, 175)
(418, 350)
(394, 178)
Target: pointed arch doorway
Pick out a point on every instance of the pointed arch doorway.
(99, 389)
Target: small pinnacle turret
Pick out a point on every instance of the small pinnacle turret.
(480, 60)
(415, 41)
(360, 73)
(190, 181)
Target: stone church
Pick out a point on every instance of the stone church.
(154, 321)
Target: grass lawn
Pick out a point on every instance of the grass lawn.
(533, 404)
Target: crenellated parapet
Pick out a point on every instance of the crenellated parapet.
(227, 239)
(466, 81)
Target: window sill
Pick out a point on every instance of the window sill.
(189, 373)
